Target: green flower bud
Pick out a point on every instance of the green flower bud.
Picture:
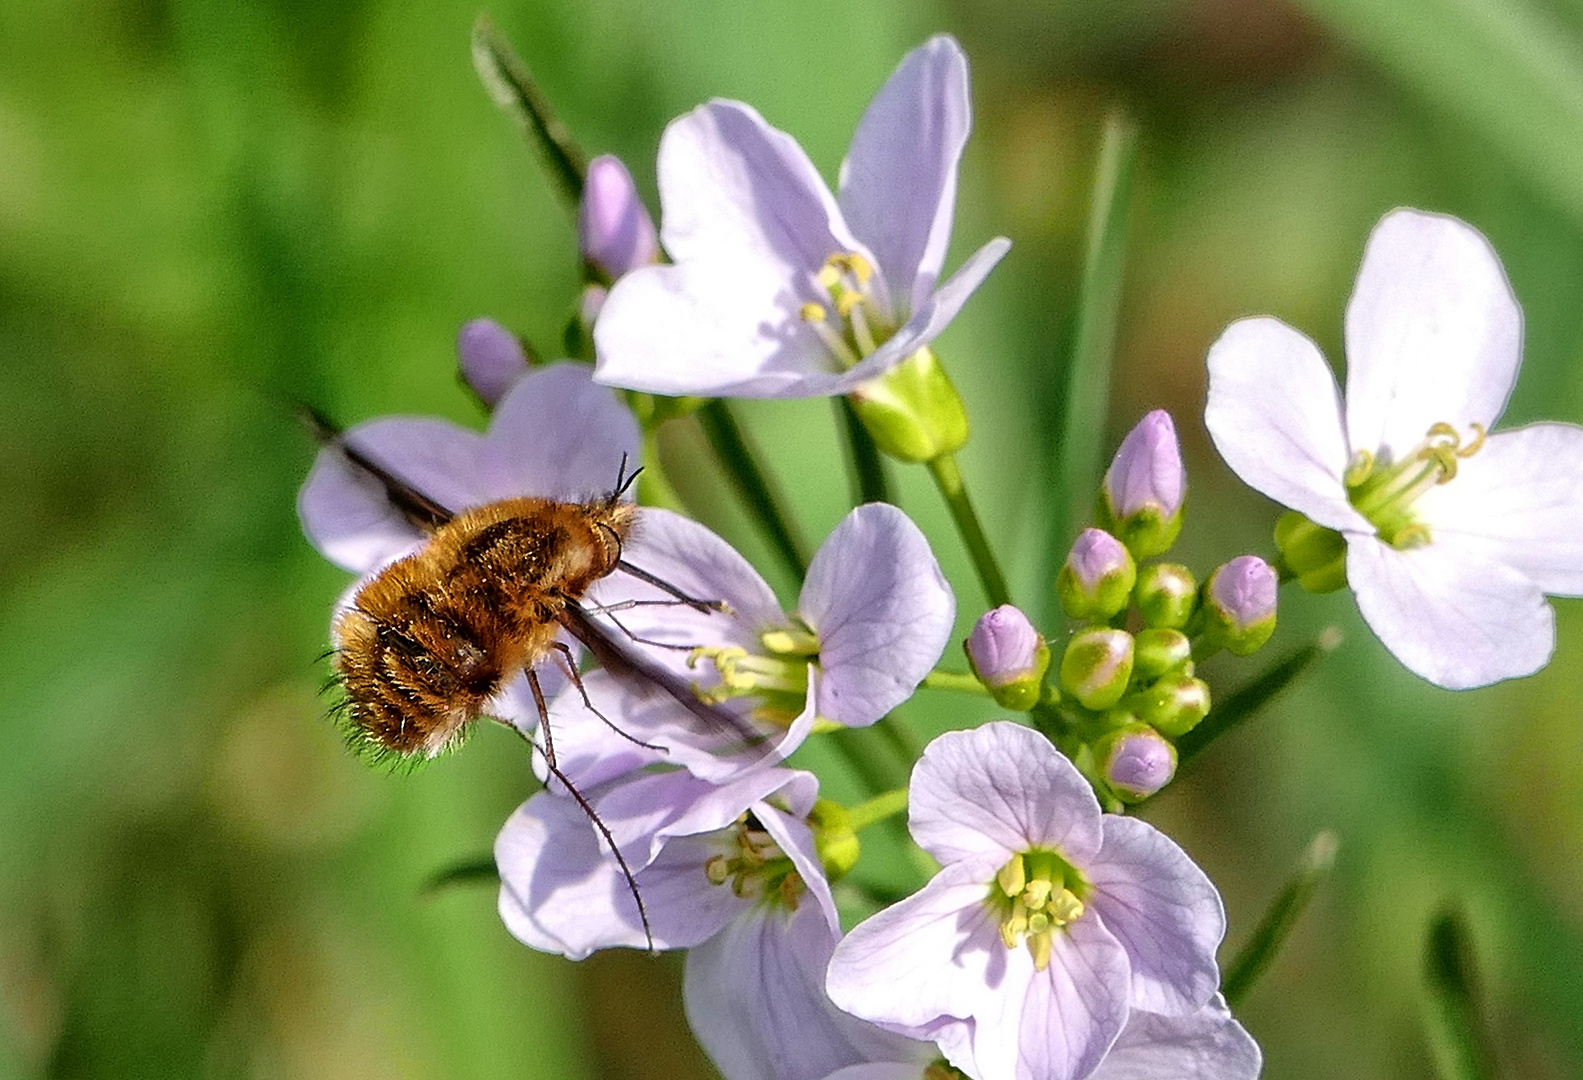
(1145, 487)
(1240, 602)
(1097, 666)
(1096, 580)
(1136, 762)
(1314, 555)
(1009, 657)
(1166, 594)
(913, 411)
(1174, 705)
(1157, 651)
(834, 839)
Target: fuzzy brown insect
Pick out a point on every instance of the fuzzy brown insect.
(430, 640)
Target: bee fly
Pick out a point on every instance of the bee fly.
(430, 639)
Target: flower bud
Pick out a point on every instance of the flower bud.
(1009, 657)
(1315, 555)
(1136, 762)
(834, 838)
(1166, 595)
(913, 411)
(614, 229)
(1158, 651)
(491, 358)
(1174, 705)
(1241, 604)
(1096, 581)
(1097, 666)
(1145, 487)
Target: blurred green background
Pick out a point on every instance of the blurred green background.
(207, 205)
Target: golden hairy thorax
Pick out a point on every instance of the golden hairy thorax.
(430, 639)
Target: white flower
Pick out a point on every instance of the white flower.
(780, 289)
(1048, 923)
(1453, 534)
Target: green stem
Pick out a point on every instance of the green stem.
(654, 487)
(948, 478)
(958, 682)
(740, 459)
(867, 467)
(882, 806)
(1464, 1049)
(901, 738)
(1255, 956)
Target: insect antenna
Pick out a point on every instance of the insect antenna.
(623, 481)
(421, 510)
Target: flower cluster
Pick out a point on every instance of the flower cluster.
(1055, 937)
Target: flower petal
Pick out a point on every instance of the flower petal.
(1165, 912)
(1058, 1023)
(559, 436)
(647, 811)
(883, 612)
(1519, 501)
(1275, 417)
(986, 794)
(755, 998)
(898, 182)
(793, 836)
(1434, 332)
(886, 1070)
(730, 184)
(562, 891)
(937, 954)
(345, 512)
(1448, 614)
(716, 326)
(1208, 1045)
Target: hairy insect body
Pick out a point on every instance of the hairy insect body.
(434, 636)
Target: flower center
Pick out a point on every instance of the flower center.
(1385, 493)
(1037, 893)
(754, 867)
(849, 316)
(778, 675)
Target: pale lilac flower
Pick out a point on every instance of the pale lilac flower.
(554, 434)
(1453, 535)
(730, 872)
(874, 615)
(779, 288)
(614, 229)
(1207, 1045)
(1048, 923)
(491, 358)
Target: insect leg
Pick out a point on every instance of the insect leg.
(592, 814)
(544, 718)
(605, 611)
(705, 606)
(565, 656)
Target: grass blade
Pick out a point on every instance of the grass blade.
(1077, 465)
(1462, 1045)
(506, 78)
(1261, 949)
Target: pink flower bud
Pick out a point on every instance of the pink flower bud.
(1009, 657)
(1097, 578)
(1242, 597)
(491, 358)
(613, 226)
(1147, 472)
(1139, 763)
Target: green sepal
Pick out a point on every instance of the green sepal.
(913, 411)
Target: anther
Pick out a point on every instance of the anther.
(813, 313)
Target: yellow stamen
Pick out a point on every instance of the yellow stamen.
(813, 313)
